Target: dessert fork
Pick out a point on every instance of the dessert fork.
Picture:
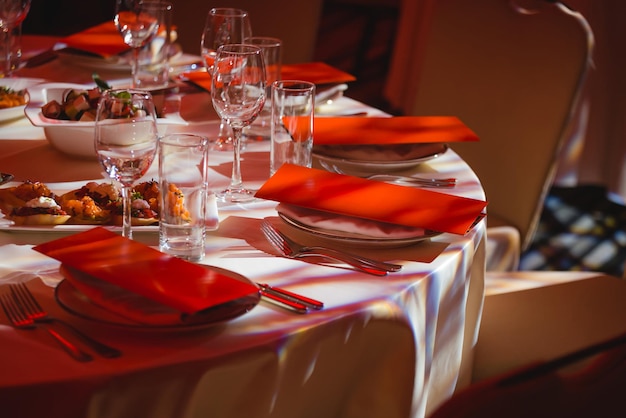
(292, 249)
(33, 311)
(21, 321)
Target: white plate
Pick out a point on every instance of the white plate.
(328, 161)
(79, 305)
(16, 84)
(355, 240)
(86, 60)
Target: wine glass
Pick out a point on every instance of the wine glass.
(238, 95)
(12, 13)
(138, 22)
(126, 140)
(223, 26)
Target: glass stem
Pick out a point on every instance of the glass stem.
(6, 33)
(126, 216)
(135, 68)
(236, 182)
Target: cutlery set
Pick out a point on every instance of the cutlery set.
(23, 311)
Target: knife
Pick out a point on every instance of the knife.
(293, 300)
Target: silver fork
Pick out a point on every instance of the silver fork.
(397, 178)
(35, 312)
(292, 249)
(21, 321)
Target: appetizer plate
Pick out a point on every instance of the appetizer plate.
(7, 225)
(16, 84)
(372, 166)
(355, 240)
(77, 304)
(76, 138)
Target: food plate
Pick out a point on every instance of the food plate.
(16, 112)
(79, 305)
(59, 189)
(328, 161)
(355, 240)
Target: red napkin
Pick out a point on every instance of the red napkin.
(314, 72)
(102, 39)
(184, 286)
(393, 130)
(375, 200)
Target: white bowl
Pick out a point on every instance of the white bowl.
(77, 138)
(16, 84)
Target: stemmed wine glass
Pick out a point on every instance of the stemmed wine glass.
(12, 13)
(238, 95)
(223, 26)
(138, 22)
(126, 140)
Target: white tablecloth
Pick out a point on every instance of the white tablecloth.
(394, 346)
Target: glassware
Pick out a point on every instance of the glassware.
(138, 22)
(223, 26)
(126, 140)
(12, 13)
(238, 95)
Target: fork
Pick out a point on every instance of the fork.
(292, 249)
(397, 178)
(21, 321)
(35, 312)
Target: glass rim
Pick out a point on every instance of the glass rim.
(293, 85)
(227, 11)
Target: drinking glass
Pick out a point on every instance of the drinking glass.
(126, 140)
(238, 95)
(12, 13)
(272, 54)
(138, 22)
(223, 26)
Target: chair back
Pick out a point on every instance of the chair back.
(513, 73)
(585, 383)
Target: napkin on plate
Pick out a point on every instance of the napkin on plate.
(103, 40)
(348, 224)
(353, 196)
(397, 138)
(314, 72)
(185, 290)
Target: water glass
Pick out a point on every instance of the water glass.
(293, 108)
(272, 54)
(153, 67)
(183, 171)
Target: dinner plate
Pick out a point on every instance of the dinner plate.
(16, 84)
(328, 161)
(77, 304)
(356, 240)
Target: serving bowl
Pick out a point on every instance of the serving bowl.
(77, 138)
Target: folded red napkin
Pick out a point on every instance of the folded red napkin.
(391, 130)
(314, 72)
(375, 200)
(180, 285)
(103, 39)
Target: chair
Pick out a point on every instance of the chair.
(556, 350)
(513, 73)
